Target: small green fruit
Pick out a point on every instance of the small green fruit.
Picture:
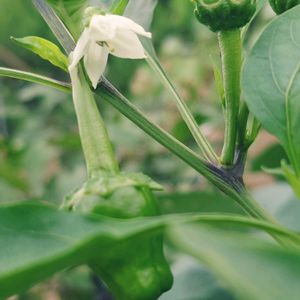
(280, 6)
(134, 269)
(222, 15)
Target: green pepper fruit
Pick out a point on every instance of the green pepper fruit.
(280, 6)
(134, 269)
(222, 15)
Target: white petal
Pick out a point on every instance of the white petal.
(80, 48)
(126, 44)
(102, 29)
(95, 62)
(124, 23)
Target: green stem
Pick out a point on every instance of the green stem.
(108, 93)
(32, 77)
(183, 109)
(230, 46)
(96, 144)
(64, 15)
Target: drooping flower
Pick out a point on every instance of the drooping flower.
(107, 34)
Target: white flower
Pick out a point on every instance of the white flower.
(107, 34)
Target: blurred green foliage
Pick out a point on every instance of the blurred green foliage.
(40, 150)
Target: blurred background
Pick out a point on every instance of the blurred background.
(40, 150)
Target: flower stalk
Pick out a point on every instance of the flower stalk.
(95, 142)
(230, 46)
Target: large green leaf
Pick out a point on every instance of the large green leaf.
(201, 201)
(45, 49)
(249, 267)
(271, 82)
(193, 282)
(37, 240)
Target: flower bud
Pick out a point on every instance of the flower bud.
(222, 15)
(280, 6)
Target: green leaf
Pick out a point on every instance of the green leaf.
(71, 12)
(37, 240)
(202, 201)
(291, 178)
(249, 267)
(271, 82)
(194, 282)
(269, 159)
(45, 49)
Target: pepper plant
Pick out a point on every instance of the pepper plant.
(112, 223)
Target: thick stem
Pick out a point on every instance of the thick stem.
(230, 46)
(95, 142)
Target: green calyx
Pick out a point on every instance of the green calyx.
(115, 195)
(280, 6)
(136, 268)
(222, 15)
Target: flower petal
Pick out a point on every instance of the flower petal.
(126, 44)
(95, 62)
(102, 29)
(123, 23)
(80, 48)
